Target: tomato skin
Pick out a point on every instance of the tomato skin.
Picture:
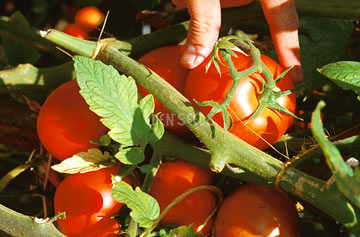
(75, 30)
(255, 210)
(89, 17)
(88, 205)
(269, 124)
(165, 61)
(176, 177)
(65, 124)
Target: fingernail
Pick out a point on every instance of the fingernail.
(193, 56)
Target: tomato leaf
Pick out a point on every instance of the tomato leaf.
(84, 162)
(146, 168)
(132, 155)
(114, 97)
(184, 231)
(347, 180)
(345, 74)
(144, 208)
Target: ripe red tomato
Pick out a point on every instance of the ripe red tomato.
(88, 205)
(165, 61)
(75, 30)
(89, 17)
(255, 210)
(269, 125)
(65, 124)
(176, 177)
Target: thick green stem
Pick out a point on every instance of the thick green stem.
(17, 224)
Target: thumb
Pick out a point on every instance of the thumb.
(205, 21)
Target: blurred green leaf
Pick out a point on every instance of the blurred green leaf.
(322, 41)
(15, 53)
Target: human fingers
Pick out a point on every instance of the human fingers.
(282, 18)
(205, 20)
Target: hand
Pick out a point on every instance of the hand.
(205, 22)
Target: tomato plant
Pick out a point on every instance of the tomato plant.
(65, 124)
(255, 210)
(87, 203)
(165, 61)
(269, 125)
(76, 30)
(176, 177)
(89, 17)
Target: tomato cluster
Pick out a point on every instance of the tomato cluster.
(86, 19)
(66, 126)
(208, 85)
(250, 210)
(269, 125)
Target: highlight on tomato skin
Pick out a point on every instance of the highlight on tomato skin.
(87, 202)
(66, 125)
(256, 210)
(176, 177)
(89, 17)
(269, 125)
(165, 61)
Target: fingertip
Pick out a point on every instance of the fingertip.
(297, 74)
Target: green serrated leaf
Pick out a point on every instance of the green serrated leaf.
(157, 130)
(114, 97)
(144, 208)
(131, 156)
(345, 74)
(84, 162)
(111, 96)
(147, 106)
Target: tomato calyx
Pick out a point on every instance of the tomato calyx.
(267, 96)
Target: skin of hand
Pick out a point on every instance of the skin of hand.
(205, 22)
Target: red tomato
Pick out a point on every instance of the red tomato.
(88, 205)
(75, 30)
(269, 125)
(89, 17)
(65, 124)
(255, 210)
(176, 177)
(165, 61)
